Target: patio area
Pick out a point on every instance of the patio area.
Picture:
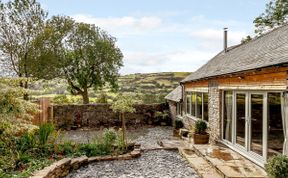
(220, 161)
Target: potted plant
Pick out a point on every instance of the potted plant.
(178, 124)
(200, 135)
(277, 166)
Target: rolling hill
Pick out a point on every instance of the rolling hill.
(150, 85)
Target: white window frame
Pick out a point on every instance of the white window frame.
(260, 160)
(195, 106)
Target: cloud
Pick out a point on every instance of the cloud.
(210, 39)
(120, 25)
(216, 34)
(155, 43)
(181, 60)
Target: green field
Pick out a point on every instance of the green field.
(148, 87)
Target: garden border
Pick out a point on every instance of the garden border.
(65, 166)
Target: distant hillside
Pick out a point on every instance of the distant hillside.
(152, 83)
(143, 85)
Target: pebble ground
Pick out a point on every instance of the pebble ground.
(151, 164)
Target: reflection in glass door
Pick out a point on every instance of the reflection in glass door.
(256, 129)
(256, 123)
(240, 118)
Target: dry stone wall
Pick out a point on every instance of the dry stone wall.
(100, 115)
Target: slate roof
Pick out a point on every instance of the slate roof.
(175, 95)
(267, 50)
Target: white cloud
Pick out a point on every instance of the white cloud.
(157, 44)
(210, 39)
(182, 60)
(216, 35)
(122, 25)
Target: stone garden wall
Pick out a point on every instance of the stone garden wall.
(100, 115)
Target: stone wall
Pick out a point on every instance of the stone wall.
(172, 110)
(97, 115)
(214, 111)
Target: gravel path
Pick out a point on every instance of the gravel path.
(153, 135)
(152, 164)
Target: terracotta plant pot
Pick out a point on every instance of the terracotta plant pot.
(201, 138)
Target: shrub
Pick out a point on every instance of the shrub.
(67, 148)
(61, 99)
(200, 127)
(89, 149)
(109, 136)
(26, 142)
(277, 166)
(120, 142)
(45, 130)
(178, 124)
(102, 98)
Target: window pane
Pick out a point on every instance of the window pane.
(188, 105)
(257, 123)
(199, 105)
(205, 103)
(193, 102)
(275, 127)
(240, 118)
(181, 112)
(227, 116)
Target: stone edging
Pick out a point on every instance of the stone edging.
(64, 166)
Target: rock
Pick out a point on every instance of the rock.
(135, 153)
(78, 162)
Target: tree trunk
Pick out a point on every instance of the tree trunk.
(124, 129)
(26, 95)
(85, 96)
(25, 86)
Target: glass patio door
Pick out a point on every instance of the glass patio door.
(252, 123)
(249, 120)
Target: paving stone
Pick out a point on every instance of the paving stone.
(229, 162)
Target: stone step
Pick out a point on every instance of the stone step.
(201, 166)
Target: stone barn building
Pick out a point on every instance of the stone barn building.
(242, 94)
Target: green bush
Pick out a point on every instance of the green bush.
(120, 143)
(90, 149)
(109, 136)
(67, 148)
(26, 142)
(61, 99)
(277, 166)
(45, 130)
(200, 127)
(178, 124)
(102, 98)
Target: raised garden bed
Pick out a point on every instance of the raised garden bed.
(64, 166)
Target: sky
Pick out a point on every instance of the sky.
(165, 35)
